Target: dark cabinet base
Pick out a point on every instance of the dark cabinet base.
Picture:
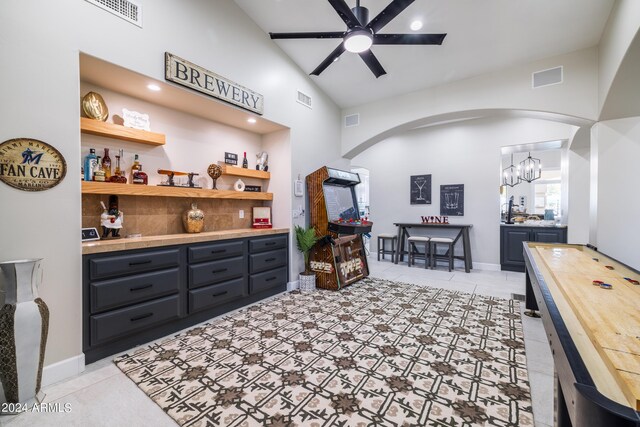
(136, 296)
(513, 236)
(96, 353)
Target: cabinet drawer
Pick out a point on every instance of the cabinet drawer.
(114, 293)
(267, 243)
(117, 323)
(209, 273)
(267, 280)
(133, 263)
(267, 260)
(211, 296)
(214, 251)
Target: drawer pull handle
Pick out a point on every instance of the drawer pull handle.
(270, 243)
(131, 264)
(139, 288)
(222, 270)
(269, 259)
(270, 279)
(220, 293)
(144, 316)
(219, 251)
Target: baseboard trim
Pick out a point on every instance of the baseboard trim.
(485, 266)
(293, 285)
(62, 370)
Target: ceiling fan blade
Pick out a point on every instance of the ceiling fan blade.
(323, 35)
(345, 13)
(372, 62)
(408, 38)
(388, 13)
(329, 60)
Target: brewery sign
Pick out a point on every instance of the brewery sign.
(31, 165)
(188, 74)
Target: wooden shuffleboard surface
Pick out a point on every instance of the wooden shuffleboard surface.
(609, 317)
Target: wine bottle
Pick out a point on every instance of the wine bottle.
(106, 165)
(245, 162)
(89, 164)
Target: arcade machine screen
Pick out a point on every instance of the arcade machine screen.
(340, 203)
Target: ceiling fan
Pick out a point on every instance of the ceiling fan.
(362, 33)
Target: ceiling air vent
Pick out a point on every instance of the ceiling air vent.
(351, 120)
(552, 76)
(125, 9)
(304, 99)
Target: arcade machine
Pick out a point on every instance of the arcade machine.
(339, 258)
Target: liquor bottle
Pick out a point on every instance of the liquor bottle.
(140, 177)
(89, 165)
(245, 163)
(135, 166)
(118, 175)
(98, 173)
(106, 165)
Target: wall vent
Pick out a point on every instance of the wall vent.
(351, 120)
(304, 99)
(552, 76)
(125, 9)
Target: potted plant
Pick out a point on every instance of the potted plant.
(306, 239)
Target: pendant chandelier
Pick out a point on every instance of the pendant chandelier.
(529, 169)
(510, 176)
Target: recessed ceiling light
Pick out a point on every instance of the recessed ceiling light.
(416, 25)
(251, 120)
(153, 87)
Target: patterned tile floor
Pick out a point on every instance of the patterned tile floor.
(104, 396)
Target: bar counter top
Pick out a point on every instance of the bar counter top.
(112, 245)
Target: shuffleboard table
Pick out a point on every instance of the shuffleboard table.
(593, 331)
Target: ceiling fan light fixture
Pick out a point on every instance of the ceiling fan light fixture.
(358, 41)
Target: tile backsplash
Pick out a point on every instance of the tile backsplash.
(154, 216)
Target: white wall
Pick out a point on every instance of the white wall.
(508, 89)
(618, 232)
(622, 26)
(466, 153)
(578, 212)
(39, 81)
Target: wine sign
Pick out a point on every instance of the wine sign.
(452, 200)
(420, 187)
(31, 165)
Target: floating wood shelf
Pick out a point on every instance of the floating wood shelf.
(157, 191)
(247, 173)
(110, 130)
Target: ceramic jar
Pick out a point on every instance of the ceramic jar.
(193, 220)
(24, 325)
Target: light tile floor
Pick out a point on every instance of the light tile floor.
(103, 396)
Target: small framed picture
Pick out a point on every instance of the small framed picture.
(89, 234)
(231, 158)
(420, 189)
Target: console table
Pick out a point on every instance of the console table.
(463, 233)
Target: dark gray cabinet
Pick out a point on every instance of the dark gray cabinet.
(135, 296)
(512, 236)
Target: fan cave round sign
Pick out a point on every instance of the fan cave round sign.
(31, 165)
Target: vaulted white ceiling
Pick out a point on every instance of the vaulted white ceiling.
(482, 36)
